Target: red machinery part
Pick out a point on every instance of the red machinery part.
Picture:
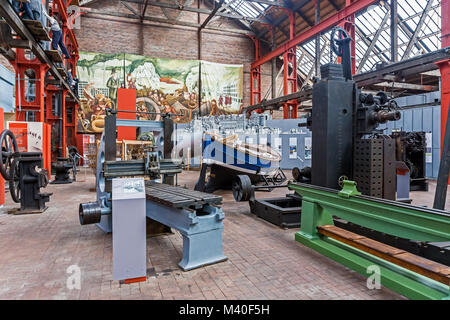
(444, 66)
(23, 67)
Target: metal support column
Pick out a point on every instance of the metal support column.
(317, 41)
(274, 67)
(349, 26)
(30, 84)
(290, 72)
(394, 31)
(444, 67)
(255, 76)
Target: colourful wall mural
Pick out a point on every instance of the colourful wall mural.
(163, 86)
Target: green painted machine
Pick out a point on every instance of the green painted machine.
(410, 275)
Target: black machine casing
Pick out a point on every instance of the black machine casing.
(32, 179)
(411, 148)
(333, 100)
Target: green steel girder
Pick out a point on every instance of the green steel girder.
(406, 221)
(402, 281)
(319, 205)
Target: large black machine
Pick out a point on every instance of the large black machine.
(346, 141)
(63, 165)
(343, 120)
(25, 175)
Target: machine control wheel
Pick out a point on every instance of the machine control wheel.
(341, 180)
(9, 147)
(14, 182)
(336, 34)
(242, 188)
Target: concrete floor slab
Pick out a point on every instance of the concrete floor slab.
(265, 262)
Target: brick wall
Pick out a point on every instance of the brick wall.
(109, 34)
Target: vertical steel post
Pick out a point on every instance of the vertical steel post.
(290, 76)
(394, 31)
(444, 170)
(349, 26)
(255, 76)
(317, 41)
(444, 68)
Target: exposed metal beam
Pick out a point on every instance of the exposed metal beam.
(277, 102)
(197, 10)
(310, 73)
(180, 14)
(305, 18)
(271, 3)
(386, 52)
(144, 10)
(394, 31)
(400, 19)
(126, 5)
(413, 38)
(406, 86)
(335, 6)
(223, 9)
(86, 2)
(90, 12)
(228, 8)
(211, 15)
(317, 50)
(289, 4)
(407, 67)
(282, 18)
(362, 62)
(407, 29)
(368, 42)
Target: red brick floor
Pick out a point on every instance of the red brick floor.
(264, 261)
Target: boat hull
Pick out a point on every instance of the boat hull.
(232, 158)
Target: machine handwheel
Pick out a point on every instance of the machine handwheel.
(341, 34)
(8, 144)
(14, 182)
(341, 181)
(242, 188)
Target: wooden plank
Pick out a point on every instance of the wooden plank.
(54, 55)
(37, 30)
(61, 70)
(422, 266)
(19, 43)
